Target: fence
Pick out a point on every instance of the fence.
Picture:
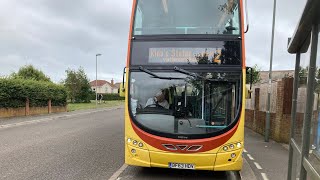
(27, 110)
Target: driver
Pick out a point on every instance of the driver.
(159, 99)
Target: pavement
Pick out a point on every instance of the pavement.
(268, 160)
(89, 144)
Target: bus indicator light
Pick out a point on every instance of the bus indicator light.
(129, 140)
(140, 145)
(135, 142)
(233, 155)
(231, 146)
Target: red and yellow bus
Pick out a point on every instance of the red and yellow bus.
(185, 85)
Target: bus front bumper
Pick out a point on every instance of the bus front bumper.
(214, 162)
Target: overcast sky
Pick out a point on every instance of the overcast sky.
(54, 35)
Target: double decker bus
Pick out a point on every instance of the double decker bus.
(185, 85)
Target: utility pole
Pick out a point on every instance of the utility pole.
(97, 79)
(267, 127)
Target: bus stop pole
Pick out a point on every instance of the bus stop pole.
(309, 102)
(267, 125)
(293, 114)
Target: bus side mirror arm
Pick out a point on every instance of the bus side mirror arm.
(247, 17)
(123, 75)
(122, 88)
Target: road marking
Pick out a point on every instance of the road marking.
(250, 157)
(50, 118)
(257, 165)
(247, 171)
(264, 176)
(118, 172)
(244, 150)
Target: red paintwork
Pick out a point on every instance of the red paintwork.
(208, 143)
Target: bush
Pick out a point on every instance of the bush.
(108, 97)
(112, 97)
(14, 92)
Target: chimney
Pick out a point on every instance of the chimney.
(112, 83)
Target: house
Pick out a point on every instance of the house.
(104, 87)
(276, 75)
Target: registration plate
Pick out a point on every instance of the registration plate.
(181, 166)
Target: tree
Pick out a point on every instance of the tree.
(255, 75)
(78, 86)
(30, 72)
(303, 76)
(202, 58)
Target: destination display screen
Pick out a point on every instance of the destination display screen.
(186, 53)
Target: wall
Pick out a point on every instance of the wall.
(27, 110)
(105, 89)
(280, 113)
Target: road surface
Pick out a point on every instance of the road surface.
(79, 145)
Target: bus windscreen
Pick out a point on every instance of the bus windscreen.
(200, 103)
(156, 17)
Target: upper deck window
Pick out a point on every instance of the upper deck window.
(157, 17)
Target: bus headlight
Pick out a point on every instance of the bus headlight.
(225, 148)
(140, 145)
(129, 140)
(238, 145)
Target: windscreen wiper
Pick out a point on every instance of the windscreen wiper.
(188, 73)
(196, 75)
(157, 76)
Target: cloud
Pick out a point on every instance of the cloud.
(259, 37)
(57, 35)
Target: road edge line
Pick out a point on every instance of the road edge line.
(5, 126)
(118, 172)
(247, 173)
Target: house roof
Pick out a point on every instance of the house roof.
(111, 85)
(99, 82)
(102, 83)
(117, 85)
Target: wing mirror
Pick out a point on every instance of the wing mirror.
(249, 72)
(122, 88)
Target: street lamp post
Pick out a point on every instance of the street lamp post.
(267, 127)
(97, 79)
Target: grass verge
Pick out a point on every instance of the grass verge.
(92, 105)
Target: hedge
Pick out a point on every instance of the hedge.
(108, 97)
(14, 92)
